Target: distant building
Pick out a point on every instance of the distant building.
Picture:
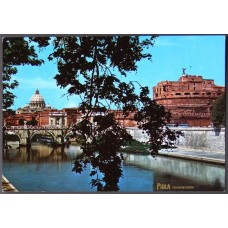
(36, 104)
(72, 116)
(36, 109)
(189, 99)
(57, 118)
(44, 115)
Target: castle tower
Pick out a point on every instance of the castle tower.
(189, 99)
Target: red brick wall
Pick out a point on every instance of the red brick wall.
(189, 99)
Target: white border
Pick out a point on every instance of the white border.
(113, 17)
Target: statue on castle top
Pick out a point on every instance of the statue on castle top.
(184, 69)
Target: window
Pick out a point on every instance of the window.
(57, 121)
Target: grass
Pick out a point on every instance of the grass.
(136, 147)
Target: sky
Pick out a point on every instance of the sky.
(200, 55)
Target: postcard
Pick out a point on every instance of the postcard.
(113, 114)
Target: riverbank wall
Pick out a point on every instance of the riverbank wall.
(194, 138)
(7, 186)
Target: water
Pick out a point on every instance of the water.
(47, 169)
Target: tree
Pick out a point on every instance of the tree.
(32, 122)
(152, 118)
(88, 67)
(18, 51)
(21, 121)
(219, 111)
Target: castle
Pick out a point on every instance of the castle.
(189, 99)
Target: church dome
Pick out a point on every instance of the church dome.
(37, 97)
(37, 101)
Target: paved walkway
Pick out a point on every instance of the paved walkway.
(7, 186)
(197, 155)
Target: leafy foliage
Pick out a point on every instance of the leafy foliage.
(32, 122)
(17, 51)
(219, 111)
(152, 118)
(87, 66)
(100, 146)
(21, 121)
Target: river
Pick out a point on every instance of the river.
(47, 169)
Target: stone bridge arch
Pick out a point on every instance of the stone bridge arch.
(26, 134)
(42, 132)
(12, 132)
(68, 133)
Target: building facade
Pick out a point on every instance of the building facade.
(189, 99)
(35, 112)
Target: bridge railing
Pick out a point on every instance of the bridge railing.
(35, 127)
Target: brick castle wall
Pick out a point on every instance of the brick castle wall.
(189, 99)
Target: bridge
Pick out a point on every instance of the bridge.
(26, 133)
(196, 138)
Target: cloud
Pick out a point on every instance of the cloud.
(36, 82)
(164, 42)
(71, 104)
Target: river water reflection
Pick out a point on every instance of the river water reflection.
(47, 169)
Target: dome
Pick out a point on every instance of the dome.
(37, 97)
(37, 101)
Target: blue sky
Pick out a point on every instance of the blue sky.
(200, 55)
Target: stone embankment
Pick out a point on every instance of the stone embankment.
(7, 186)
(198, 144)
(195, 138)
(195, 155)
(204, 139)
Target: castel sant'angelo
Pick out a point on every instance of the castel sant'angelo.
(189, 99)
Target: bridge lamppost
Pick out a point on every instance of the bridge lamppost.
(62, 119)
(28, 142)
(4, 141)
